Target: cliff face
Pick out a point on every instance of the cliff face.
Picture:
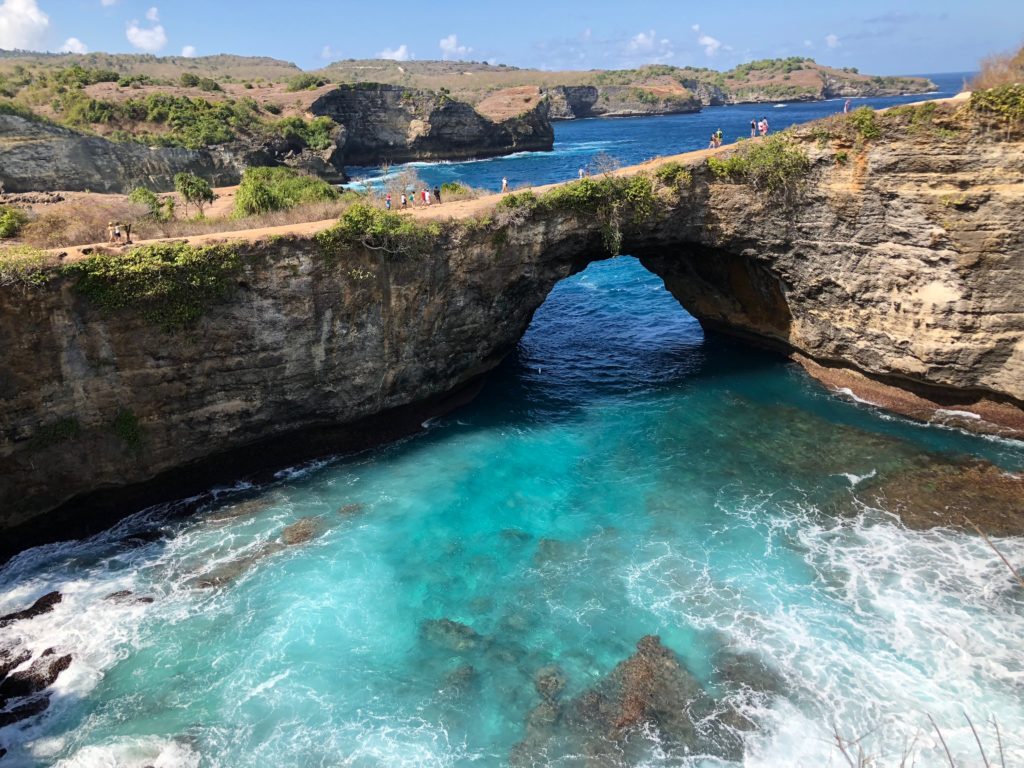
(388, 123)
(903, 262)
(40, 156)
(574, 102)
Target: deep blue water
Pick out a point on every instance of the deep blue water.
(620, 475)
(580, 143)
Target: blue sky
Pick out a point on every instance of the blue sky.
(892, 37)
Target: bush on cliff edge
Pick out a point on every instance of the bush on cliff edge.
(277, 189)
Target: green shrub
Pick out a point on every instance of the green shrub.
(518, 201)
(24, 265)
(275, 189)
(306, 82)
(171, 284)
(56, 432)
(274, 109)
(368, 227)
(11, 221)
(673, 174)
(772, 164)
(195, 190)
(315, 134)
(156, 209)
(1006, 101)
(865, 122)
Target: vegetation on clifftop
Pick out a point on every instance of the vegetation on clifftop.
(772, 164)
(171, 284)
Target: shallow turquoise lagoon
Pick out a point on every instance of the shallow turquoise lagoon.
(619, 476)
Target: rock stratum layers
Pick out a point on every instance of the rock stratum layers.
(900, 258)
(392, 124)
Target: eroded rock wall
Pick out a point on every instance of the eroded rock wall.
(900, 258)
(392, 124)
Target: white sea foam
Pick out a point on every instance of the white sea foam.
(134, 753)
(896, 625)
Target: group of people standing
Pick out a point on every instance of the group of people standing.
(759, 127)
(425, 196)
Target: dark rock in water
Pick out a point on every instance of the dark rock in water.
(142, 538)
(123, 596)
(239, 509)
(460, 680)
(2, 752)
(550, 550)
(9, 659)
(549, 682)
(39, 676)
(453, 635)
(943, 493)
(30, 708)
(44, 604)
(301, 531)
(746, 670)
(351, 509)
(234, 569)
(514, 534)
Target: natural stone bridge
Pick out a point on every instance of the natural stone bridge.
(895, 262)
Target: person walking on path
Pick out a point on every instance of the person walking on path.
(764, 126)
(846, 107)
(753, 129)
(404, 201)
(504, 184)
(581, 174)
(387, 201)
(437, 195)
(718, 137)
(711, 142)
(110, 232)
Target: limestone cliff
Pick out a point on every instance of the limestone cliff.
(900, 256)
(39, 156)
(574, 102)
(392, 124)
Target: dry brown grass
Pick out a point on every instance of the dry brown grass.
(1002, 69)
(84, 222)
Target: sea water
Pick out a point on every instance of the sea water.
(620, 475)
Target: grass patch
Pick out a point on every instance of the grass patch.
(24, 265)
(171, 284)
(773, 164)
(1005, 102)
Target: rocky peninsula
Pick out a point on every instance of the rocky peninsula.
(886, 245)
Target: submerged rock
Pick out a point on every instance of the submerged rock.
(126, 595)
(549, 682)
(44, 604)
(301, 531)
(40, 675)
(612, 723)
(30, 708)
(737, 669)
(347, 510)
(942, 494)
(452, 635)
(245, 508)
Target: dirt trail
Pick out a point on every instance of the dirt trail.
(461, 209)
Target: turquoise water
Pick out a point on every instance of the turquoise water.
(621, 475)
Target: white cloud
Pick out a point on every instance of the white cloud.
(327, 53)
(149, 39)
(22, 24)
(450, 47)
(808, 44)
(401, 53)
(832, 41)
(74, 45)
(642, 41)
(711, 45)
(189, 51)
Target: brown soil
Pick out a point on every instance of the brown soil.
(509, 103)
